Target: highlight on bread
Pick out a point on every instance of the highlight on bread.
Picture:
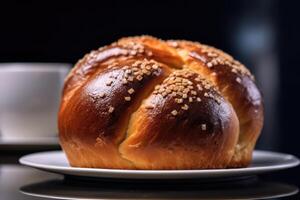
(146, 103)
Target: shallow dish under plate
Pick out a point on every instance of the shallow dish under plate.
(263, 161)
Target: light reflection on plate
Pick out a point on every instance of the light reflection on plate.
(263, 161)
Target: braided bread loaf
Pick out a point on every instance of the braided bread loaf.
(145, 103)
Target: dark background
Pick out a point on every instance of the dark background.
(262, 34)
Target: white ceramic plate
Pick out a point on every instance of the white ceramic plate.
(263, 161)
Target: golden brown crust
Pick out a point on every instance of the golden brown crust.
(149, 104)
(96, 117)
(172, 131)
(237, 85)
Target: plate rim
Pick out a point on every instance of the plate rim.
(146, 173)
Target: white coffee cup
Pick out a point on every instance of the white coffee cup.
(29, 99)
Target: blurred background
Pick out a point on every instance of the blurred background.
(262, 34)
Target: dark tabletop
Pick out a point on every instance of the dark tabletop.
(20, 182)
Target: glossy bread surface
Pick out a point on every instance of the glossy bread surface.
(145, 103)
